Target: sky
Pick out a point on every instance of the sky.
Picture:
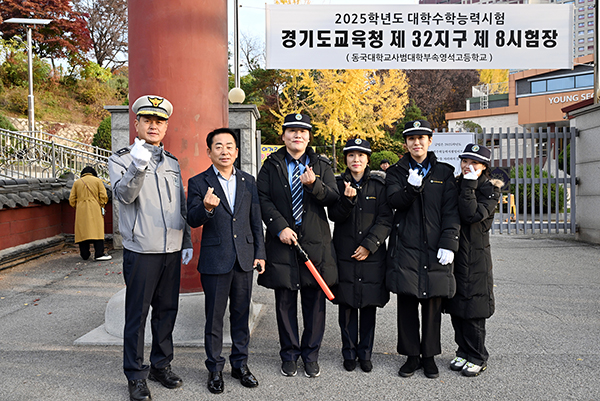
(252, 13)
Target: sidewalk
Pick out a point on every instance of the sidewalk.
(543, 340)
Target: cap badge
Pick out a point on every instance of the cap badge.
(156, 101)
(475, 148)
(417, 124)
(358, 141)
(298, 117)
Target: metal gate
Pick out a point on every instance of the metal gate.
(538, 169)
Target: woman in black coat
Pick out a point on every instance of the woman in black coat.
(363, 220)
(474, 299)
(306, 223)
(422, 244)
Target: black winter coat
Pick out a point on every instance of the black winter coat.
(474, 297)
(426, 219)
(274, 193)
(365, 220)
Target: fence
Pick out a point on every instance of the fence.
(29, 155)
(538, 168)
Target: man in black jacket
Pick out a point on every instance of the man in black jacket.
(224, 201)
(422, 244)
(294, 186)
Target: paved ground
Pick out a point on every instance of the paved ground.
(543, 339)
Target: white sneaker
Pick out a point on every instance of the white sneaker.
(471, 370)
(457, 363)
(104, 257)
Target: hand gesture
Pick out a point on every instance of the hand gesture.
(473, 174)
(140, 155)
(211, 200)
(445, 256)
(361, 253)
(288, 236)
(308, 177)
(349, 191)
(414, 178)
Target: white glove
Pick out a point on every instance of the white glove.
(445, 256)
(414, 178)
(472, 175)
(186, 255)
(140, 155)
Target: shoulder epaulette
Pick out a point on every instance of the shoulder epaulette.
(122, 152)
(169, 154)
(324, 158)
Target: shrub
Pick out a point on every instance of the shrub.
(14, 71)
(377, 157)
(92, 70)
(91, 91)
(103, 136)
(6, 124)
(536, 189)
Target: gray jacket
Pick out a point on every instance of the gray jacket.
(152, 210)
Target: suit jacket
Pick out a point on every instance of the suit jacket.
(226, 234)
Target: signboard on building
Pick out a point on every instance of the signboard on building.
(447, 147)
(464, 36)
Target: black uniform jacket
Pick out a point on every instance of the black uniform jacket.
(365, 220)
(426, 219)
(274, 192)
(477, 202)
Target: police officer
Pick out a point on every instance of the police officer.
(146, 181)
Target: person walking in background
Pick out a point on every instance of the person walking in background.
(88, 197)
(294, 187)
(146, 181)
(474, 300)
(422, 245)
(224, 201)
(363, 220)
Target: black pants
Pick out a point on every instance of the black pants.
(218, 288)
(313, 315)
(428, 343)
(469, 335)
(352, 347)
(152, 280)
(84, 248)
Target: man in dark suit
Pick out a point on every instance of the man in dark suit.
(224, 201)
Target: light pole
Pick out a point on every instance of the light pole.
(30, 102)
(236, 94)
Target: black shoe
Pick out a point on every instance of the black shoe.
(215, 382)
(311, 369)
(289, 368)
(245, 376)
(410, 366)
(138, 390)
(349, 364)
(365, 365)
(430, 368)
(165, 377)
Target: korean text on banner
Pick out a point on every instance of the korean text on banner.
(457, 36)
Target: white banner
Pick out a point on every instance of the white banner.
(457, 36)
(447, 147)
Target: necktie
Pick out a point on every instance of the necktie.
(296, 193)
(420, 169)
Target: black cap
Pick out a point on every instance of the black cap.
(359, 145)
(417, 127)
(476, 152)
(297, 121)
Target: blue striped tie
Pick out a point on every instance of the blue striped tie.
(296, 193)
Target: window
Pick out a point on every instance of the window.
(584, 80)
(561, 83)
(581, 48)
(591, 8)
(581, 24)
(538, 86)
(580, 9)
(590, 39)
(591, 15)
(591, 47)
(590, 23)
(580, 32)
(590, 31)
(581, 1)
(581, 16)
(581, 40)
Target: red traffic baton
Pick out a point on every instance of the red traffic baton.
(314, 271)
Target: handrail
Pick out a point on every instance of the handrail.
(28, 156)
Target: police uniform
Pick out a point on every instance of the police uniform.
(152, 221)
